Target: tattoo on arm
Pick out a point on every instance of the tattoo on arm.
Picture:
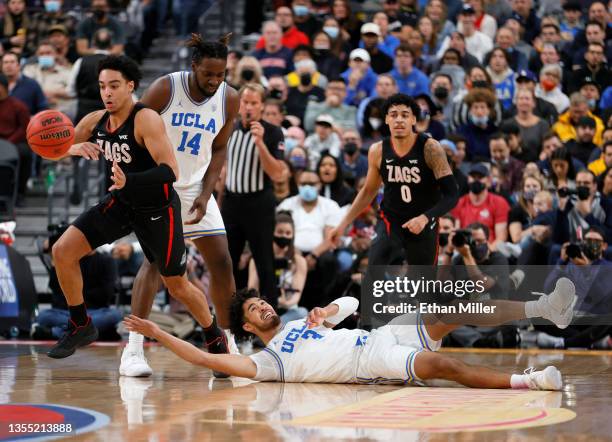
(436, 159)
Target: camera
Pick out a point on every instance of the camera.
(462, 238)
(564, 192)
(574, 251)
(443, 239)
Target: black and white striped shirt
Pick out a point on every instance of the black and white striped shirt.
(245, 173)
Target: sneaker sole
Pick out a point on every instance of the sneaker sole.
(138, 374)
(220, 375)
(557, 380)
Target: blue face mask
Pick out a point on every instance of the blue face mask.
(308, 193)
(46, 61)
(332, 31)
(52, 6)
(290, 143)
(300, 10)
(298, 162)
(479, 121)
(592, 103)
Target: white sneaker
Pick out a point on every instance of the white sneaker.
(134, 363)
(547, 379)
(231, 343)
(558, 306)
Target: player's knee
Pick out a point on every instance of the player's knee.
(178, 287)
(62, 252)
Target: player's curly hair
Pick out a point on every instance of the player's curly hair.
(401, 99)
(128, 67)
(208, 49)
(237, 313)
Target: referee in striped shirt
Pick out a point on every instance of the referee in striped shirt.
(253, 161)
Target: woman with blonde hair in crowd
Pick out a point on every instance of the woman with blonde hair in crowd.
(248, 70)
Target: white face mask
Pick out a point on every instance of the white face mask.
(375, 123)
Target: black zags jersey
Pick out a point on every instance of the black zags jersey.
(121, 145)
(410, 185)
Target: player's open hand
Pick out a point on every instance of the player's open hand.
(87, 150)
(316, 317)
(416, 225)
(199, 209)
(118, 177)
(142, 326)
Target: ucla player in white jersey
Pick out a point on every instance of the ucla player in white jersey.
(403, 351)
(198, 109)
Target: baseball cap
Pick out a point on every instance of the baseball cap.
(586, 121)
(325, 119)
(370, 28)
(467, 9)
(360, 53)
(524, 74)
(479, 169)
(589, 80)
(57, 28)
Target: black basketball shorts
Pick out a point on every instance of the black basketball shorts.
(159, 231)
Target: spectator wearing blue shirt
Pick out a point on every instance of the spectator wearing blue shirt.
(370, 38)
(501, 75)
(21, 87)
(571, 23)
(353, 161)
(385, 87)
(388, 43)
(274, 58)
(359, 77)
(410, 80)
(480, 125)
(606, 99)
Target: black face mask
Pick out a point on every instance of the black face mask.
(591, 249)
(443, 239)
(479, 252)
(276, 94)
(248, 74)
(282, 241)
(480, 83)
(583, 193)
(441, 93)
(476, 187)
(305, 79)
(350, 148)
(99, 14)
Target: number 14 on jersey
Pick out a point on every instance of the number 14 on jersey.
(193, 143)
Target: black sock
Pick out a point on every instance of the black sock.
(78, 314)
(212, 332)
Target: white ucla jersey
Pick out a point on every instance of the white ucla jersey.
(300, 354)
(192, 126)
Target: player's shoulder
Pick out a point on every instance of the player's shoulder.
(375, 152)
(92, 118)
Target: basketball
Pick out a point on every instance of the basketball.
(50, 134)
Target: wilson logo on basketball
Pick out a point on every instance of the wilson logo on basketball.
(52, 120)
(55, 135)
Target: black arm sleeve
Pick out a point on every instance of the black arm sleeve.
(450, 195)
(161, 174)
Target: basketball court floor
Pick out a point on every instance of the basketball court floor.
(181, 402)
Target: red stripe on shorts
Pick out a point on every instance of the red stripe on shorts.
(386, 221)
(170, 235)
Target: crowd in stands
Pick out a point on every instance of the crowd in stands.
(518, 92)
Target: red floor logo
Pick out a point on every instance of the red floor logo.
(39, 422)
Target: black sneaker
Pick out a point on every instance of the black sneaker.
(218, 345)
(75, 337)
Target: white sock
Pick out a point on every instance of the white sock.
(532, 309)
(135, 340)
(517, 381)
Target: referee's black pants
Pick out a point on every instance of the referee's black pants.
(250, 217)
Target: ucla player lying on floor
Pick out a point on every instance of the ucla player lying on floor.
(311, 350)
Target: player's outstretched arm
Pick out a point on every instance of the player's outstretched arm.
(82, 133)
(365, 195)
(234, 365)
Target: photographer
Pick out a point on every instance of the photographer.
(474, 255)
(447, 226)
(578, 210)
(584, 264)
(290, 270)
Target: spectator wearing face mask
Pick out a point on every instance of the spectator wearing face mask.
(294, 136)
(314, 216)
(441, 90)
(101, 18)
(304, 19)
(549, 87)
(249, 70)
(582, 147)
(304, 63)
(354, 163)
(330, 61)
(427, 120)
(52, 15)
(480, 125)
(298, 158)
(482, 206)
(53, 78)
(305, 91)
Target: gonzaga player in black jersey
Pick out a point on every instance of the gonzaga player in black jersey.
(141, 165)
(418, 188)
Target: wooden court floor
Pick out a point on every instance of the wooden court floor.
(183, 403)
